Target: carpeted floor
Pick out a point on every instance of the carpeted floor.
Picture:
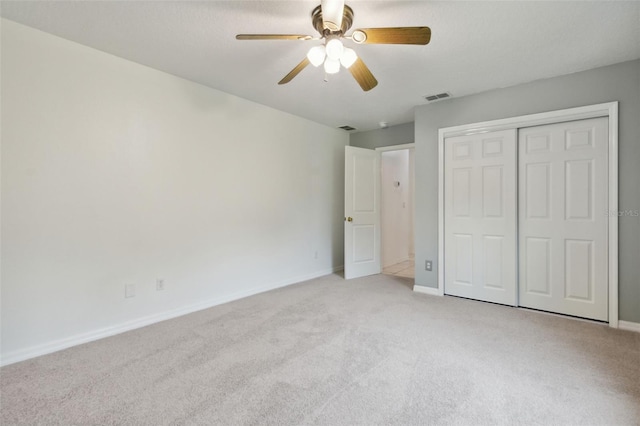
(335, 352)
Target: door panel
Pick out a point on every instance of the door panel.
(364, 180)
(463, 249)
(362, 205)
(461, 192)
(537, 265)
(492, 184)
(363, 243)
(492, 266)
(563, 192)
(579, 265)
(537, 190)
(480, 221)
(579, 190)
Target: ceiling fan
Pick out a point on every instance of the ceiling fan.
(332, 19)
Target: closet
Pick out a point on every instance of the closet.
(525, 220)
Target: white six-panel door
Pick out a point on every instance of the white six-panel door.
(480, 217)
(362, 213)
(563, 193)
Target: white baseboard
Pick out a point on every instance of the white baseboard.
(426, 290)
(629, 326)
(78, 339)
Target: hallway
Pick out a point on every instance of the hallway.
(403, 269)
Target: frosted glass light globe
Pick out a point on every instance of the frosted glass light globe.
(331, 66)
(334, 49)
(348, 57)
(316, 55)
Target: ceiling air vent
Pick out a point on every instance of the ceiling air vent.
(347, 128)
(438, 97)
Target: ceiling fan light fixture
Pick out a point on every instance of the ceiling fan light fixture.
(334, 49)
(348, 57)
(316, 55)
(331, 66)
(333, 19)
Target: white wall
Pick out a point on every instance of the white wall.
(115, 173)
(396, 206)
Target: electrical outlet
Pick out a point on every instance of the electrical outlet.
(159, 284)
(129, 290)
(428, 265)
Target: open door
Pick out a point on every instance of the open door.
(362, 213)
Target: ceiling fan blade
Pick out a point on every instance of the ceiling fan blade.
(395, 35)
(363, 76)
(273, 37)
(287, 78)
(332, 11)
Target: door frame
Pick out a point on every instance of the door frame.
(379, 151)
(610, 110)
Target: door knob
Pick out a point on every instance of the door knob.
(349, 219)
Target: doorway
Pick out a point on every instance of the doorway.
(364, 231)
(397, 210)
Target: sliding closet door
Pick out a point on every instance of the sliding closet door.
(563, 192)
(480, 218)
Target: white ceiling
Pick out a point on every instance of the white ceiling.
(475, 46)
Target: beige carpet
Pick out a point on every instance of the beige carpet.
(335, 352)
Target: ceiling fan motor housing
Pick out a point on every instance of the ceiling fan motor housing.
(347, 21)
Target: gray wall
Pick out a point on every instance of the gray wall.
(392, 135)
(620, 82)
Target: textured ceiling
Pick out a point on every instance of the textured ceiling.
(475, 46)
